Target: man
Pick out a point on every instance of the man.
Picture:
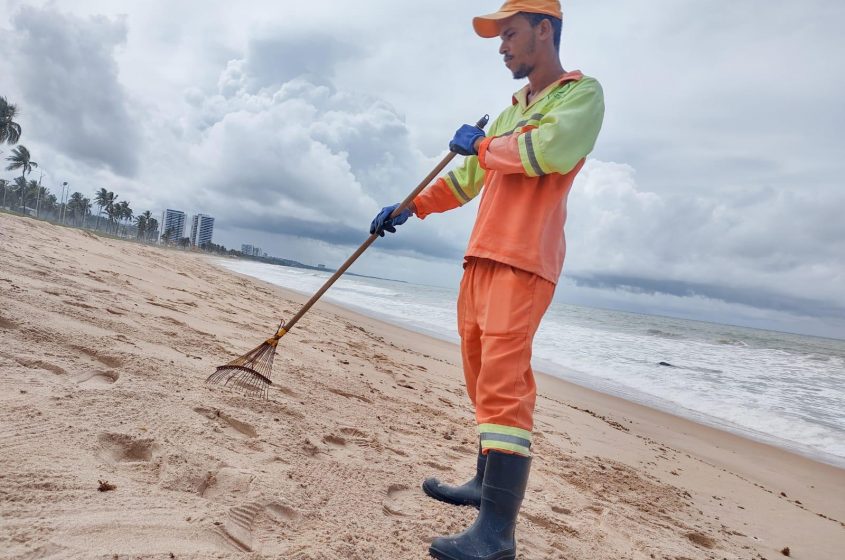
(526, 167)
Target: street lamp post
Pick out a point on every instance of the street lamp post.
(64, 202)
(38, 195)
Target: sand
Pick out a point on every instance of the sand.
(104, 349)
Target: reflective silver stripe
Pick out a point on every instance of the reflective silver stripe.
(487, 436)
(532, 157)
(520, 124)
(458, 186)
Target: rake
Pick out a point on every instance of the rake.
(251, 372)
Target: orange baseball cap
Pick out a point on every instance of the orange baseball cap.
(488, 26)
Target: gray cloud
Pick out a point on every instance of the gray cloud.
(761, 247)
(717, 177)
(298, 156)
(279, 57)
(66, 71)
(754, 297)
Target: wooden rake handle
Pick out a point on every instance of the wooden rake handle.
(482, 122)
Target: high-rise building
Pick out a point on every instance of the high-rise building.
(173, 224)
(202, 229)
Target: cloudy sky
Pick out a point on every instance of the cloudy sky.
(715, 190)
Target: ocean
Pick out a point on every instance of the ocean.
(784, 389)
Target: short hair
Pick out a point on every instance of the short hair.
(536, 19)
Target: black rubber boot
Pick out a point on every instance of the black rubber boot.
(491, 537)
(467, 494)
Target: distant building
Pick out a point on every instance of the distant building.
(202, 230)
(252, 250)
(173, 224)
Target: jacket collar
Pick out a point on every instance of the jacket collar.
(521, 97)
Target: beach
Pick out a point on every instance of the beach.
(105, 346)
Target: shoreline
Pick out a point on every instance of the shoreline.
(732, 453)
(697, 418)
(115, 445)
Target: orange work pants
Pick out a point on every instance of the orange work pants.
(499, 310)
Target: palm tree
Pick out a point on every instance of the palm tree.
(33, 191)
(152, 227)
(85, 209)
(50, 203)
(111, 208)
(100, 199)
(20, 189)
(21, 159)
(10, 131)
(124, 212)
(74, 204)
(141, 222)
(3, 183)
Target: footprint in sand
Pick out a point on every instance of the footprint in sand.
(351, 444)
(188, 472)
(260, 526)
(401, 501)
(226, 483)
(98, 379)
(335, 441)
(227, 423)
(701, 540)
(551, 525)
(353, 433)
(136, 458)
(361, 438)
(108, 361)
(437, 466)
(122, 448)
(337, 447)
(40, 364)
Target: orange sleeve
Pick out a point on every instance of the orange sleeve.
(500, 153)
(437, 197)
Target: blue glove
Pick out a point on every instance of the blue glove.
(382, 221)
(464, 141)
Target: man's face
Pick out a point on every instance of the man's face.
(519, 45)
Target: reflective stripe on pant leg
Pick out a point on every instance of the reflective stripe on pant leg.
(510, 304)
(505, 438)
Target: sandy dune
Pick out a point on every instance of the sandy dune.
(104, 349)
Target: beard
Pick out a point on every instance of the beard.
(522, 72)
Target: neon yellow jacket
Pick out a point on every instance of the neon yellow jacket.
(526, 167)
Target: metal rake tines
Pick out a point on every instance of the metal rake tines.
(249, 373)
(243, 379)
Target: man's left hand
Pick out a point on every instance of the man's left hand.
(383, 222)
(466, 140)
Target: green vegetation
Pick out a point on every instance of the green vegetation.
(114, 217)
(30, 198)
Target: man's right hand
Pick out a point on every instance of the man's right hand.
(466, 140)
